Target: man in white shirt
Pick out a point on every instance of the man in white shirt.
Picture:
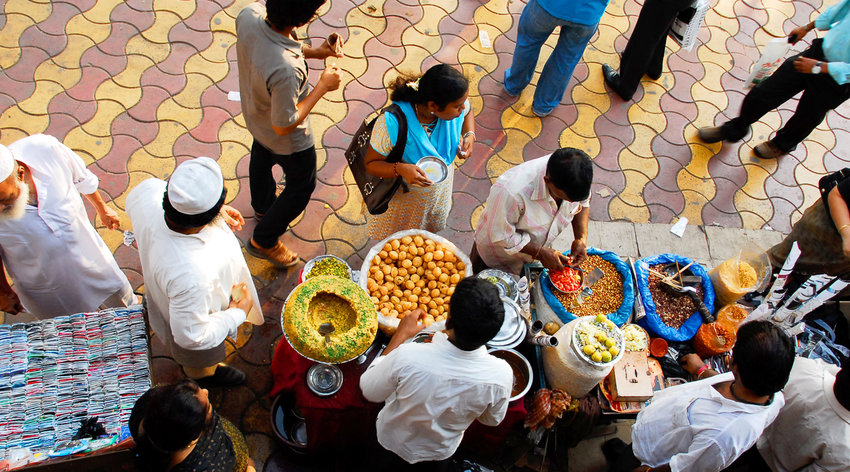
(706, 424)
(58, 262)
(529, 206)
(198, 286)
(433, 391)
(812, 432)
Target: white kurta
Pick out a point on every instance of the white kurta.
(58, 262)
(188, 277)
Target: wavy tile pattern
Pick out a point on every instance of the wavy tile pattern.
(138, 86)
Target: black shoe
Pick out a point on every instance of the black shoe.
(711, 134)
(654, 75)
(224, 376)
(768, 150)
(612, 79)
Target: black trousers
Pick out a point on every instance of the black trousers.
(821, 93)
(300, 171)
(644, 53)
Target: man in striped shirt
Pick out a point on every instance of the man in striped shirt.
(529, 206)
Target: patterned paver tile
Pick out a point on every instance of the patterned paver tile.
(137, 86)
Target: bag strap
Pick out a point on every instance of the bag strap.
(401, 140)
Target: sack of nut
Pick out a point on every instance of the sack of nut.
(671, 316)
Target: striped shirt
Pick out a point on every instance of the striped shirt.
(519, 211)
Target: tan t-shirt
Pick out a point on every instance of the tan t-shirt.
(272, 80)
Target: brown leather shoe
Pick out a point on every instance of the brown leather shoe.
(768, 150)
(279, 255)
(710, 134)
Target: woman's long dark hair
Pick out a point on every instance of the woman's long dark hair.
(173, 418)
(441, 84)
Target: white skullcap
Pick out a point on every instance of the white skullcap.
(195, 186)
(7, 162)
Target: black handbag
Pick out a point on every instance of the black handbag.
(377, 191)
(828, 182)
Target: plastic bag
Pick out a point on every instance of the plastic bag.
(651, 322)
(748, 272)
(620, 316)
(772, 57)
(715, 338)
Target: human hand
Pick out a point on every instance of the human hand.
(331, 47)
(413, 175)
(240, 298)
(845, 246)
(109, 218)
(578, 252)
(330, 78)
(804, 65)
(465, 148)
(552, 259)
(232, 217)
(692, 363)
(10, 303)
(409, 326)
(797, 34)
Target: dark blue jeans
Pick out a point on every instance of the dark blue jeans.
(535, 26)
(300, 171)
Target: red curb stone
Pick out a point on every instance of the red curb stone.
(60, 124)
(207, 130)
(187, 145)
(152, 97)
(141, 132)
(171, 83)
(81, 111)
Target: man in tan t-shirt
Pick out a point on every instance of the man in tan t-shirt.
(276, 102)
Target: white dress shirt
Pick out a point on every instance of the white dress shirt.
(812, 432)
(519, 211)
(58, 262)
(188, 277)
(694, 428)
(433, 392)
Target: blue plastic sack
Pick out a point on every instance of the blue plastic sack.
(651, 321)
(618, 317)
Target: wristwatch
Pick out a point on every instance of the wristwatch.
(816, 69)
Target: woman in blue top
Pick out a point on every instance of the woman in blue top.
(438, 124)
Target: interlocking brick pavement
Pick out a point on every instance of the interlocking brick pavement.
(138, 86)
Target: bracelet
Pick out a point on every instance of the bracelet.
(395, 169)
(843, 226)
(702, 370)
(468, 133)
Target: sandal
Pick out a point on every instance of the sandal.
(279, 255)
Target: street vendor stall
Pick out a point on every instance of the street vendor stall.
(58, 372)
(408, 270)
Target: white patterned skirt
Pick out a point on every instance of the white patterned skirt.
(421, 208)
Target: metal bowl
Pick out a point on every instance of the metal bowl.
(286, 422)
(309, 266)
(521, 371)
(435, 168)
(503, 281)
(555, 287)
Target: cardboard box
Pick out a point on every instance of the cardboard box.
(631, 378)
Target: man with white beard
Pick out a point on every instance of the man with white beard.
(58, 262)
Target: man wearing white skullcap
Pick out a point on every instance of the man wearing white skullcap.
(197, 284)
(58, 262)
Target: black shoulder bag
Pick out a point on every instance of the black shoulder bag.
(377, 191)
